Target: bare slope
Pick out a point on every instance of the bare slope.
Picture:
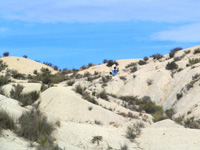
(24, 65)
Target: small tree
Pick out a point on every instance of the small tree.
(6, 54)
(171, 66)
(25, 56)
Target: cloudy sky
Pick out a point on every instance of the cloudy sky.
(74, 33)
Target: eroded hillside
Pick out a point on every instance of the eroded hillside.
(90, 109)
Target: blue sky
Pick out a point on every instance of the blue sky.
(74, 33)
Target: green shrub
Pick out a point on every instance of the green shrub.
(123, 78)
(111, 62)
(131, 65)
(4, 80)
(145, 58)
(2, 65)
(177, 58)
(149, 82)
(55, 67)
(90, 99)
(43, 87)
(169, 112)
(171, 66)
(194, 61)
(6, 54)
(106, 79)
(25, 56)
(93, 78)
(97, 122)
(35, 72)
(187, 52)
(191, 123)
(179, 120)
(25, 99)
(157, 56)
(86, 74)
(134, 69)
(97, 139)
(79, 89)
(105, 61)
(142, 62)
(158, 116)
(173, 51)
(34, 125)
(17, 75)
(103, 95)
(124, 147)
(179, 96)
(70, 83)
(196, 51)
(149, 107)
(6, 121)
(132, 131)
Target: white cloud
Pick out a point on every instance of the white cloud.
(187, 33)
(100, 10)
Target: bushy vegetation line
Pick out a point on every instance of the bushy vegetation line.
(144, 104)
(47, 78)
(133, 131)
(85, 95)
(25, 99)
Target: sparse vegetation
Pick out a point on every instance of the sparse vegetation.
(133, 131)
(171, 66)
(97, 122)
(97, 139)
(25, 56)
(17, 75)
(4, 80)
(25, 99)
(149, 82)
(6, 121)
(173, 51)
(170, 112)
(103, 95)
(124, 147)
(35, 127)
(90, 99)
